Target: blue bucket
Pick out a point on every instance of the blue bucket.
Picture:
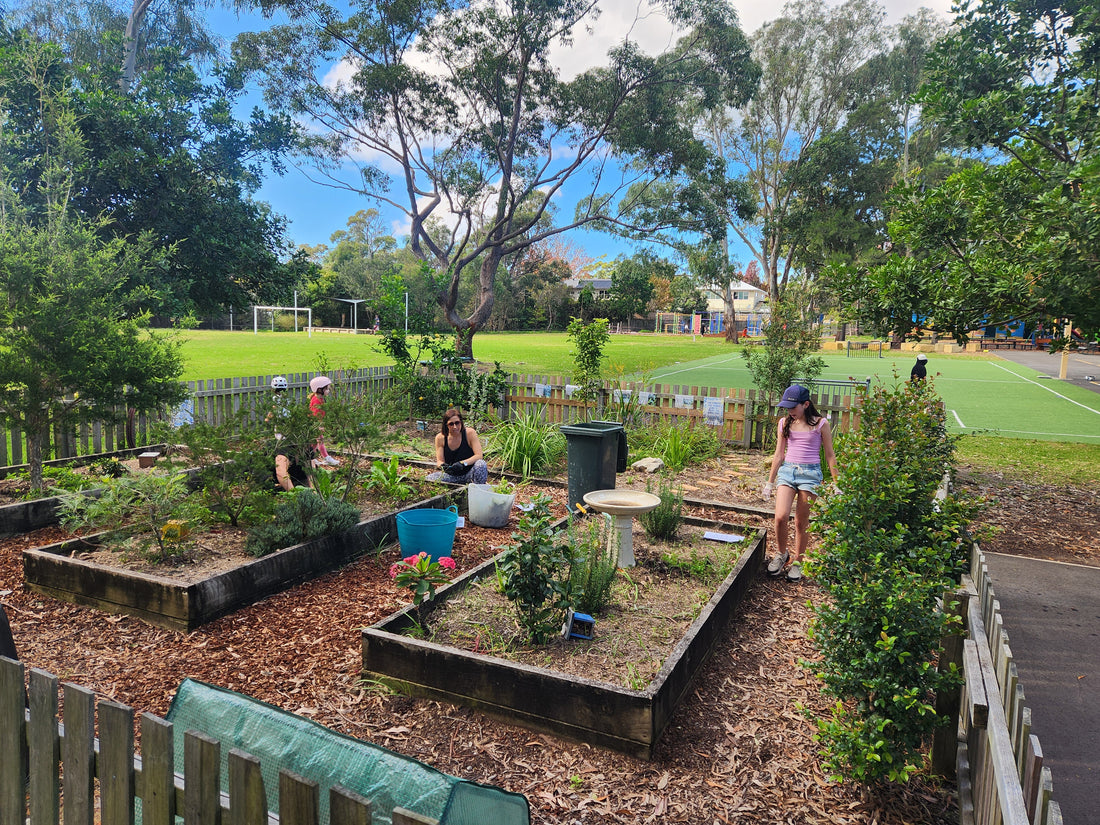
(428, 531)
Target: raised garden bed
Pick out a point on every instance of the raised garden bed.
(630, 721)
(53, 571)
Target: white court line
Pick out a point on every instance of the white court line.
(696, 367)
(958, 419)
(1048, 389)
(996, 430)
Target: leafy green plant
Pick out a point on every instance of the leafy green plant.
(301, 515)
(139, 505)
(57, 479)
(428, 375)
(589, 341)
(235, 463)
(593, 563)
(387, 479)
(504, 487)
(487, 390)
(888, 551)
(535, 573)
(662, 522)
(527, 444)
(109, 467)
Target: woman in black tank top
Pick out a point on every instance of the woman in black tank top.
(458, 453)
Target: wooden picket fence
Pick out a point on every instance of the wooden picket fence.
(739, 416)
(1000, 768)
(103, 777)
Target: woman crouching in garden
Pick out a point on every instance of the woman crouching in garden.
(458, 452)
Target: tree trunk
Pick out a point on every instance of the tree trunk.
(36, 432)
(129, 44)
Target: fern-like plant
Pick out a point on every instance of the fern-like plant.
(593, 562)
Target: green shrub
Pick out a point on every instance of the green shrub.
(535, 573)
(593, 562)
(109, 467)
(301, 516)
(58, 479)
(526, 445)
(662, 522)
(236, 463)
(888, 551)
(141, 505)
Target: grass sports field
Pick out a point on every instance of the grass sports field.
(984, 394)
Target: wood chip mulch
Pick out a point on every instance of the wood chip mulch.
(738, 750)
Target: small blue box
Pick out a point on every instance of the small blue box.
(578, 626)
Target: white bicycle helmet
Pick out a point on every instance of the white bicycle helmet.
(320, 382)
(279, 383)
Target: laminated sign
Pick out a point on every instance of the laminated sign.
(712, 411)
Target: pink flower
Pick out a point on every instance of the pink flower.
(394, 569)
(447, 563)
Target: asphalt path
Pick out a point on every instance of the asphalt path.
(1082, 368)
(1051, 612)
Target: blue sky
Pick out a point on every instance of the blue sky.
(315, 211)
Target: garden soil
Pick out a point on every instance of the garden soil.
(740, 749)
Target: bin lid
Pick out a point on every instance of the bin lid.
(591, 428)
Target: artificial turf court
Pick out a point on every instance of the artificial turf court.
(983, 393)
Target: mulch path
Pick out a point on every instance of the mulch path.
(738, 749)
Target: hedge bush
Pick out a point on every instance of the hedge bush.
(889, 550)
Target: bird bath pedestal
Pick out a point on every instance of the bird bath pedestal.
(623, 505)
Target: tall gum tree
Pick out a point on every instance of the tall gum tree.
(457, 117)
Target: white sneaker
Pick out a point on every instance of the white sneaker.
(330, 461)
(795, 572)
(775, 566)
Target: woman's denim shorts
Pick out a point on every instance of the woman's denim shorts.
(804, 477)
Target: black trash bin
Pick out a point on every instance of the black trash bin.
(597, 450)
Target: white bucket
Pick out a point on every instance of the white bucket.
(487, 508)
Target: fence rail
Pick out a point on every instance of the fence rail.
(740, 416)
(1001, 776)
(104, 778)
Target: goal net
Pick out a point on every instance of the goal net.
(281, 319)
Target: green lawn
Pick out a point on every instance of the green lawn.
(210, 354)
(983, 394)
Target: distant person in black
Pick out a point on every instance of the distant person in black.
(289, 472)
(920, 371)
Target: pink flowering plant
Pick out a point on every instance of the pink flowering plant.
(421, 574)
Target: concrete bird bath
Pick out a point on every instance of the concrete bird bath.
(623, 505)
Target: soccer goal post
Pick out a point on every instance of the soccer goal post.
(274, 311)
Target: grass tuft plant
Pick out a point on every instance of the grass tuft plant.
(662, 522)
(526, 445)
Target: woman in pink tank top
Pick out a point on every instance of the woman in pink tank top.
(796, 468)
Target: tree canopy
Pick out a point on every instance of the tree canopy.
(1014, 237)
(457, 117)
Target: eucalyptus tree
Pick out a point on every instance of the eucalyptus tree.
(456, 112)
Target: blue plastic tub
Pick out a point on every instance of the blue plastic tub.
(428, 531)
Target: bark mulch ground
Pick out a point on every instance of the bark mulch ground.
(740, 749)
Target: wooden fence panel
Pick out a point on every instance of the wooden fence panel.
(248, 798)
(71, 750)
(13, 738)
(202, 791)
(78, 755)
(299, 800)
(157, 785)
(116, 763)
(44, 748)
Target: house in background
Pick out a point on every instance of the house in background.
(747, 299)
(601, 287)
